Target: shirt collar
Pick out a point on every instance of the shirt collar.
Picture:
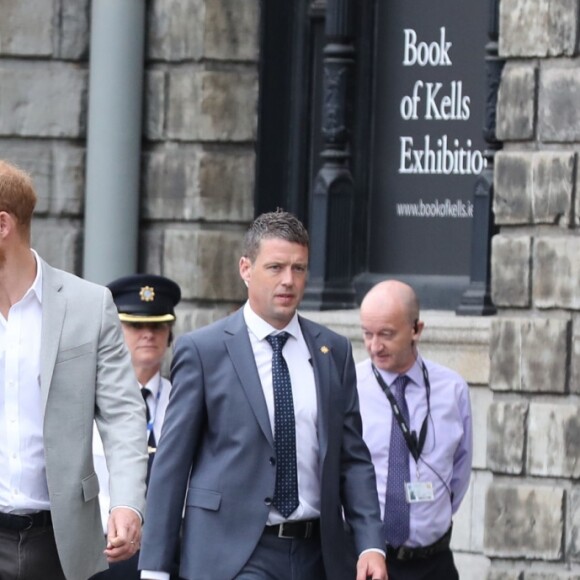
(261, 329)
(36, 287)
(415, 373)
(154, 383)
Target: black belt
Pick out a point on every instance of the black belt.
(302, 529)
(421, 552)
(20, 523)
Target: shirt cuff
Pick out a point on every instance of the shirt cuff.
(150, 575)
(129, 508)
(377, 550)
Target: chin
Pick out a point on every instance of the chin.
(284, 314)
(382, 365)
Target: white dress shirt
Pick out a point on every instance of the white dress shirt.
(157, 402)
(297, 355)
(23, 486)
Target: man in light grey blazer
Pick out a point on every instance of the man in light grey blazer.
(64, 364)
(265, 479)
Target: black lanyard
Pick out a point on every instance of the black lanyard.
(415, 447)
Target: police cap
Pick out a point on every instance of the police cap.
(145, 298)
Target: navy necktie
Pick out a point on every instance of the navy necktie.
(145, 392)
(151, 444)
(397, 509)
(286, 491)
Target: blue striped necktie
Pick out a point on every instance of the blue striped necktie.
(397, 510)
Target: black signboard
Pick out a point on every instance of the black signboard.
(427, 144)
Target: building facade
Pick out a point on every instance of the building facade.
(202, 180)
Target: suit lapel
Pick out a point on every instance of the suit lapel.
(320, 356)
(53, 311)
(240, 350)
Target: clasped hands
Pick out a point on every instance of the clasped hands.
(123, 534)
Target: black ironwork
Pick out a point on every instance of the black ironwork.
(279, 116)
(332, 205)
(476, 300)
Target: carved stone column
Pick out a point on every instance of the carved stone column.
(331, 210)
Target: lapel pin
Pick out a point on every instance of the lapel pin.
(324, 349)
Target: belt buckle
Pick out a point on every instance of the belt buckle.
(307, 531)
(404, 553)
(281, 532)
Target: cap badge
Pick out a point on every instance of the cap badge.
(147, 294)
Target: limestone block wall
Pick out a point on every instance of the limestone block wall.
(199, 131)
(533, 445)
(198, 161)
(43, 88)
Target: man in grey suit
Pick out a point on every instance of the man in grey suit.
(63, 364)
(264, 448)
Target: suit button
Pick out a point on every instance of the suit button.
(268, 501)
(272, 461)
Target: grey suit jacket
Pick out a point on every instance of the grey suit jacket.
(86, 374)
(216, 446)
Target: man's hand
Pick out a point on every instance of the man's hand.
(371, 565)
(123, 534)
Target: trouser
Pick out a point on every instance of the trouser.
(129, 570)
(436, 567)
(285, 559)
(125, 570)
(29, 555)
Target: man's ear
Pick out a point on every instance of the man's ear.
(245, 270)
(5, 222)
(418, 326)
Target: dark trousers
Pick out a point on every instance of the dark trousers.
(283, 559)
(129, 570)
(29, 555)
(437, 567)
(125, 570)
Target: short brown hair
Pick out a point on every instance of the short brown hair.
(17, 195)
(276, 224)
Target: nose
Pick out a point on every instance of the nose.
(147, 330)
(375, 345)
(288, 277)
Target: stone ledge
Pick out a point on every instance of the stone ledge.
(459, 342)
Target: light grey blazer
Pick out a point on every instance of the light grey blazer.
(86, 374)
(216, 446)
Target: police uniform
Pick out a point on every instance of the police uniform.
(140, 298)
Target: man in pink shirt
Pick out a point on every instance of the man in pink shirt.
(417, 424)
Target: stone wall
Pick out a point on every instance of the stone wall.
(43, 94)
(532, 506)
(199, 127)
(198, 162)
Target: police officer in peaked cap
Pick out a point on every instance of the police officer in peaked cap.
(146, 305)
